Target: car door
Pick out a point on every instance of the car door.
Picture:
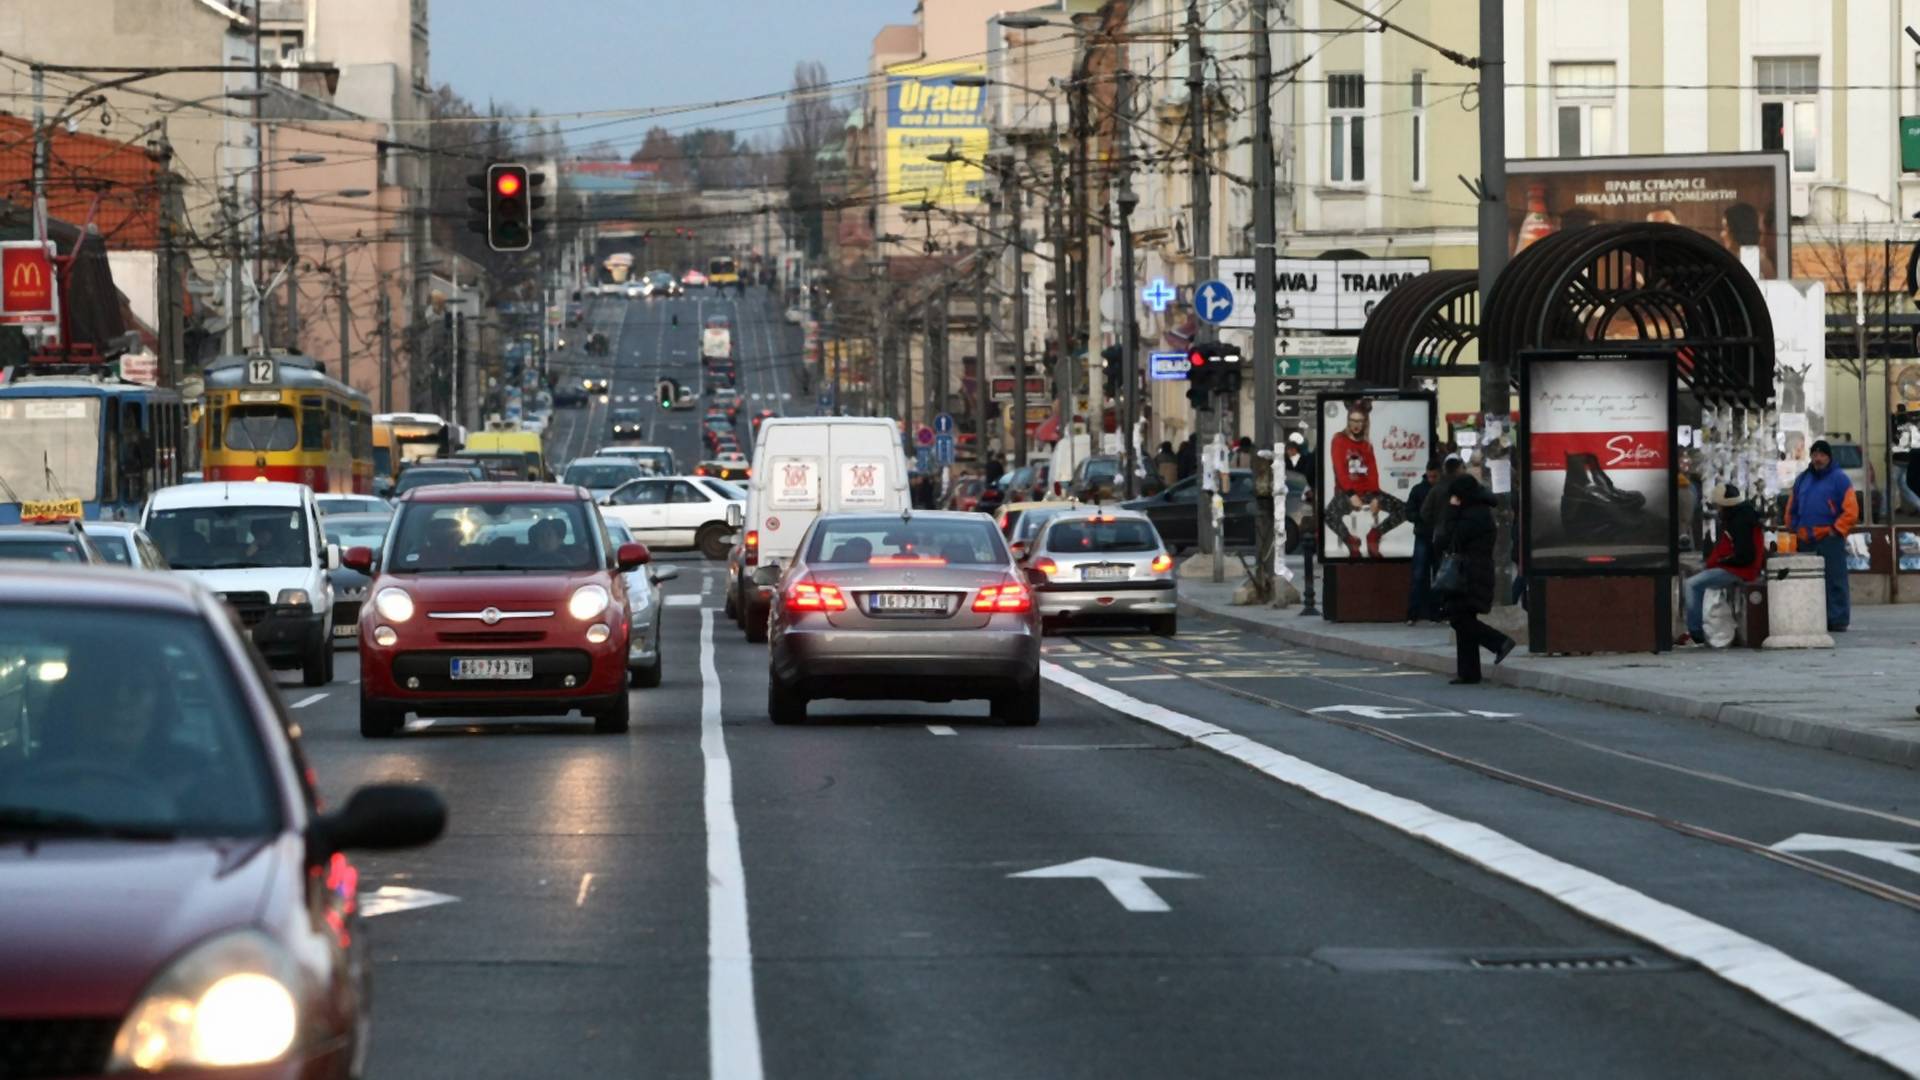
(642, 505)
(1173, 513)
(689, 506)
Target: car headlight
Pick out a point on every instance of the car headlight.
(588, 601)
(227, 1002)
(293, 598)
(394, 605)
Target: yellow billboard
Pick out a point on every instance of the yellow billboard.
(927, 114)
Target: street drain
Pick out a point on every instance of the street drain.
(1608, 962)
(1538, 961)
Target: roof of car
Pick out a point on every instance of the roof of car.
(110, 528)
(1089, 512)
(597, 460)
(66, 584)
(366, 517)
(494, 492)
(238, 492)
(1041, 502)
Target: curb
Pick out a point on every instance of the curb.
(1784, 727)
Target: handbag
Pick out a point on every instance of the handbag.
(1451, 580)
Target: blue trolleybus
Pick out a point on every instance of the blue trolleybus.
(78, 441)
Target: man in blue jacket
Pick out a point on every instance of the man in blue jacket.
(1820, 513)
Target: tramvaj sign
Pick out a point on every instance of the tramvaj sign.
(1319, 294)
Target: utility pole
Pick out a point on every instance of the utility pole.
(1094, 264)
(169, 317)
(1492, 102)
(1202, 240)
(982, 382)
(1015, 207)
(293, 285)
(386, 349)
(1264, 250)
(41, 139)
(340, 302)
(1062, 316)
(1126, 200)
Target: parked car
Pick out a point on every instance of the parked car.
(1175, 512)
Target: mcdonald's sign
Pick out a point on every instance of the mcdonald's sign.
(27, 293)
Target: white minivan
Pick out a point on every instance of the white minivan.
(804, 466)
(260, 546)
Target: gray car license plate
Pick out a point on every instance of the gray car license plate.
(908, 602)
(1102, 573)
(493, 667)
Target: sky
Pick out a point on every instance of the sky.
(565, 56)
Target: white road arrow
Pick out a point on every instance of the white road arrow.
(388, 899)
(1381, 712)
(1887, 851)
(1126, 881)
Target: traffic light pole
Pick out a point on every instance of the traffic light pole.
(1015, 208)
(1130, 326)
(1264, 328)
(1201, 180)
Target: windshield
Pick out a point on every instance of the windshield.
(1031, 521)
(626, 416)
(51, 449)
(1847, 455)
(603, 476)
(482, 535)
(861, 539)
(419, 478)
(231, 537)
(1076, 537)
(261, 427)
(724, 489)
(50, 549)
(366, 532)
(382, 460)
(124, 722)
(117, 550)
(351, 506)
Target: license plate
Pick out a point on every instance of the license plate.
(346, 630)
(1102, 573)
(921, 602)
(493, 667)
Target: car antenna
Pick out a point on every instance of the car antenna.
(906, 514)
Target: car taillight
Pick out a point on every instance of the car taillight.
(750, 548)
(805, 595)
(1046, 566)
(1003, 598)
(1162, 563)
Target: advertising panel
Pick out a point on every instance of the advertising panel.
(27, 288)
(1597, 432)
(1319, 294)
(927, 114)
(1739, 200)
(794, 483)
(1377, 448)
(863, 482)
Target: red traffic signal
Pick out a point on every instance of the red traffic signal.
(507, 182)
(1196, 358)
(509, 210)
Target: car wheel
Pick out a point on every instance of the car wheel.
(1165, 625)
(754, 621)
(1019, 709)
(712, 542)
(648, 677)
(379, 721)
(784, 706)
(317, 668)
(612, 720)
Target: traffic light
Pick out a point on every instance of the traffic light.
(1213, 367)
(666, 392)
(1199, 378)
(1110, 370)
(509, 208)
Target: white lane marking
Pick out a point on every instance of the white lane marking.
(1893, 853)
(1858, 1019)
(1381, 712)
(1142, 678)
(390, 899)
(733, 1027)
(586, 882)
(683, 600)
(419, 723)
(1127, 882)
(941, 729)
(304, 702)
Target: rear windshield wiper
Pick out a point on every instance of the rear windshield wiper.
(39, 822)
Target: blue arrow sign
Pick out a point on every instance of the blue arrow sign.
(923, 458)
(1169, 366)
(943, 449)
(1213, 302)
(943, 424)
(1158, 294)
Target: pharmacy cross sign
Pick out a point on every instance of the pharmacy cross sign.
(1158, 294)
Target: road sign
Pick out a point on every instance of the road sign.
(1169, 365)
(1286, 408)
(943, 449)
(1002, 387)
(923, 458)
(923, 435)
(1910, 144)
(27, 293)
(943, 424)
(1125, 881)
(1158, 294)
(1287, 387)
(140, 367)
(1316, 367)
(1213, 302)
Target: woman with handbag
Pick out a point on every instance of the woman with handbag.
(1465, 581)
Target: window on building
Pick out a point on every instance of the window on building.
(1790, 108)
(1417, 100)
(1583, 102)
(1347, 128)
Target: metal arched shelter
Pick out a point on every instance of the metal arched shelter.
(1420, 330)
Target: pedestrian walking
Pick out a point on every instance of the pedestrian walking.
(1820, 513)
(1470, 535)
(1738, 557)
(1188, 458)
(1167, 464)
(1419, 604)
(1434, 507)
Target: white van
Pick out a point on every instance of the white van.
(260, 546)
(804, 466)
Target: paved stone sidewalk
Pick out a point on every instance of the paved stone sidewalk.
(1857, 698)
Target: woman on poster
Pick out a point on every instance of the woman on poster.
(1356, 483)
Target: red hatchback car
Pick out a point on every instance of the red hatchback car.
(172, 897)
(494, 600)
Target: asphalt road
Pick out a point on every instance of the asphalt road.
(712, 895)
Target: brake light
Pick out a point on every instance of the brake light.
(1003, 598)
(1162, 563)
(906, 560)
(1046, 566)
(805, 595)
(750, 548)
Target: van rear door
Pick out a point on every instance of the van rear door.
(790, 487)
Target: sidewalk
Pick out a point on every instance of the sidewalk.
(1857, 698)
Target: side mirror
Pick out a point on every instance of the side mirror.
(333, 556)
(1019, 549)
(664, 572)
(1036, 578)
(632, 556)
(357, 558)
(736, 515)
(766, 576)
(379, 817)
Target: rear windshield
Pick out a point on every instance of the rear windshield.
(603, 475)
(1070, 537)
(49, 550)
(481, 535)
(1032, 520)
(1847, 455)
(419, 478)
(861, 539)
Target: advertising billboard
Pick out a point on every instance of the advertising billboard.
(1377, 448)
(927, 114)
(1739, 200)
(1597, 432)
(1318, 294)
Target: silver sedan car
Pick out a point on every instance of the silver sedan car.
(644, 601)
(1105, 566)
(915, 606)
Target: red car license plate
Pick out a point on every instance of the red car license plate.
(492, 667)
